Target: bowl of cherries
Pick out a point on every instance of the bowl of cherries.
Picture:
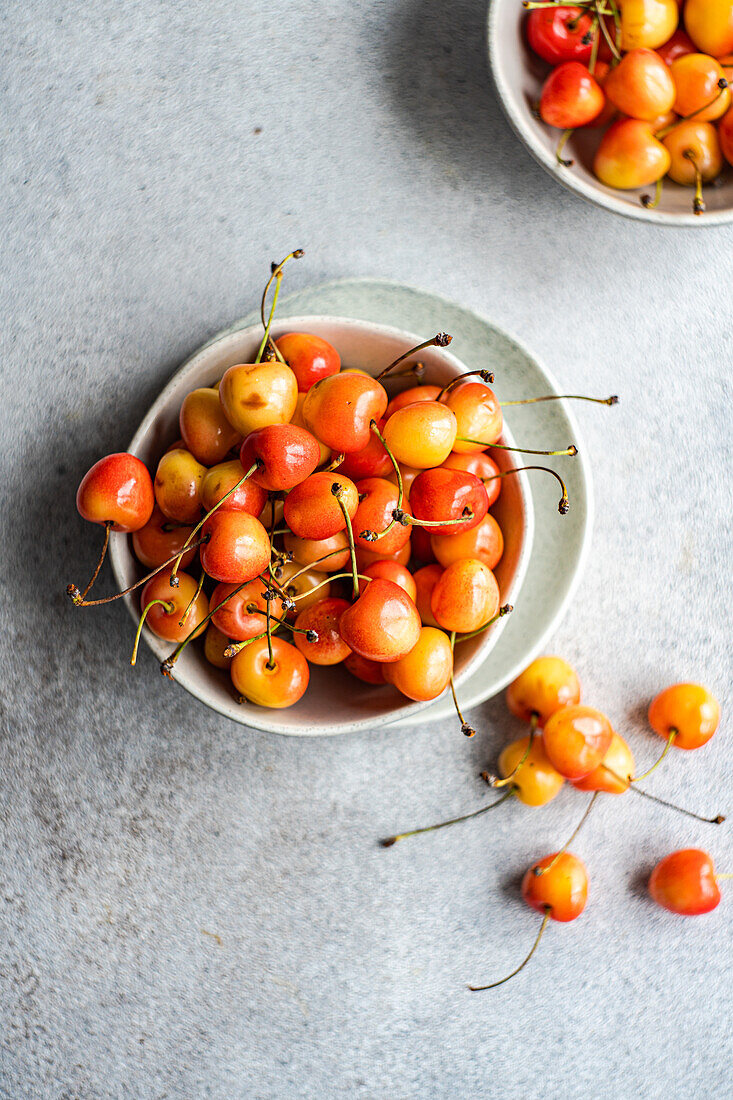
(625, 102)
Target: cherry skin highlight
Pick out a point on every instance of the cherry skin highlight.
(684, 882)
(576, 739)
(309, 357)
(383, 624)
(287, 455)
(238, 548)
(116, 490)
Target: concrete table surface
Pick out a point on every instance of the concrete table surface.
(193, 910)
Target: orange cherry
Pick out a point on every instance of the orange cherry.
(324, 452)
(647, 23)
(214, 645)
(725, 133)
(238, 548)
(478, 415)
(641, 85)
(312, 509)
(630, 156)
(237, 617)
(383, 624)
(390, 570)
(687, 711)
(482, 466)
(677, 46)
(339, 410)
(366, 558)
(378, 499)
(369, 672)
(164, 618)
(425, 672)
(329, 555)
(321, 643)
(545, 686)
(614, 773)
(576, 739)
(309, 357)
(694, 147)
(178, 482)
(465, 596)
(484, 542)
(422, 434)
(425, 581)
(410, 396)
(305, 587)
(205, 430)
(221, 479)
(709, 24)
(536, 782)
(684, 882)
(160, 540)
(697, 79)
(277, 683)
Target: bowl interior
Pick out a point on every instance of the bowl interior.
(369, 347)
(519, 75)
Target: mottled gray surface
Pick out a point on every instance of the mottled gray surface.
(142, 209)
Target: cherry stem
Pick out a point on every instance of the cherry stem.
(612, 400)
(334, 463)
(311, 565)
(236, 647)
(563, 506)
(650, 203)
(493, 780)
(412, 521)
(670, 741)
(167, 604)
(77, 597)
(418, 369)
(167, 665)
(268, 631)
(442, 340)
(252, 610)
(698, 203)
(505, 610)
(561, 160)
(338, 492)
(390, 840)
(487, 376)
(570, 451)
(400, 490)
(722, 85)
(276, 274)
(535, 945)
(467, 730)
(193, 599)
(143, 580)
(276, 294)
(333, 577)
(613, 46)
(718, 820)
(539, 871)
(255, 466)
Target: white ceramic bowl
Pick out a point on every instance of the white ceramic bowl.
(519, 74)
(335, 701)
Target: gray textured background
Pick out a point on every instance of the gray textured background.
(140, 210)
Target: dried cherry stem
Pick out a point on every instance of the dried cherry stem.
(255, 466)
(137, 584)
(167, 604)
(612, 400)
(72, 591)
(372, 536)
(442, 340)
(722, 85)
(670, 741)
(311, 635)
(276, 274)
(629, 781)
(390, 840)
(193, 599)
(698, 203)
(166, 666)
(466, 729)
(563, 506)
(564, 139)
(334, 464)
(494, 780)
(570, 451)
(535, 945)
(486, 376)
(539, 871)
(650, 203)
(505, 610)
(337, 491)
(418, 369)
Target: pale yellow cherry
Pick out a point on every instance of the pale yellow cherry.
(255, 395)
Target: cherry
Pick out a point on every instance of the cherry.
(686, 715)
(237, 611)
(701, 87)
(375, 528)
(178, 484)
(614, 774)
(709, 24)
(365, 558)
(237, 549)
(685, 882)
(422, 434)
(167, 607)
(214, 645)
(304, 586)
(339, 410)
(422, 550)
(425, 581)
(571, 97)
(309, 357)
(383, 624)
(481, 466)
(696, 156)
(221, 479)
(254, 395)
(321, 643)
(313, 509)
(390, 570)
(535, 781)
(285, 453)
(484, 542)
(446, 500)
(560, 33)
(205, 430)
(275, 681)
(677, 46)
(576, 739)
(545, 686)
(425, 672)
(369, 672)
(647, 23)
(330, 555)
(560, 893)
(641, 85)
(372, 461)
(411, 396)
(160, 540)
(630, 156)
(478, 416)
(601, 74)
(465, 596)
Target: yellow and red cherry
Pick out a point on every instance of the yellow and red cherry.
(254, 395)
(557, 887)
(303, 586)
(576, 739)
(324, 452)
(423, 673)
(365, 558)
(309, 357)
(160, 540)
(205, 430)
(615, 772)
(215, 643)
(536, 782)
(448, 500)
(239, 614)
(383, 624)
(166, 617)
(339, 409)
(318, 637)
(647, 23)
(285, 454)
(725, 133)
(685, 882)
(482, 466)
(425, 581)
(390, 570)
(221, 479)
(372, 461)
(701, 87)
(422, 434)
(369, 672)
(313, 509)
(465, 596)
(329, 555)
(411, 396)
(696, 156)
(545, 686)
(178, 483)
(685, 714)
(641, 85)
(484, 542)
(560, 33)
(378, 499)
(238, 548)
(571, 97)
(478, 415)
(677, 46)
(116, 492)
(630, 156)
(709, 24)
(278, 681)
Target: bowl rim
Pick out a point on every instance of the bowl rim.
(264, 718)
(520, 123)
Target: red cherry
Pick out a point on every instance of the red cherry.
(221, 479)
(309, 357)
(312, 508)
(677, 46)
(411, 396)
(339, 410)
(482, 466)
(287, 455)
(322, 619)
(373, 461)
(238, 548)
(441, 495)
(232, 618)
(369, 672)
(160, 540)
(117, 490)
(560, 34)
(684, 882)
(377, 501)
(383, 624)
(571, 97)
(164, 618)
(390, 570)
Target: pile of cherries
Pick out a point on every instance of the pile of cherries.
(570, 741)
(656, 71)
(328, 522)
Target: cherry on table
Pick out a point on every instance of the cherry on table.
(686, 715)
(576, 739)
(545, 686)
(534, 779)
(685, 882)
